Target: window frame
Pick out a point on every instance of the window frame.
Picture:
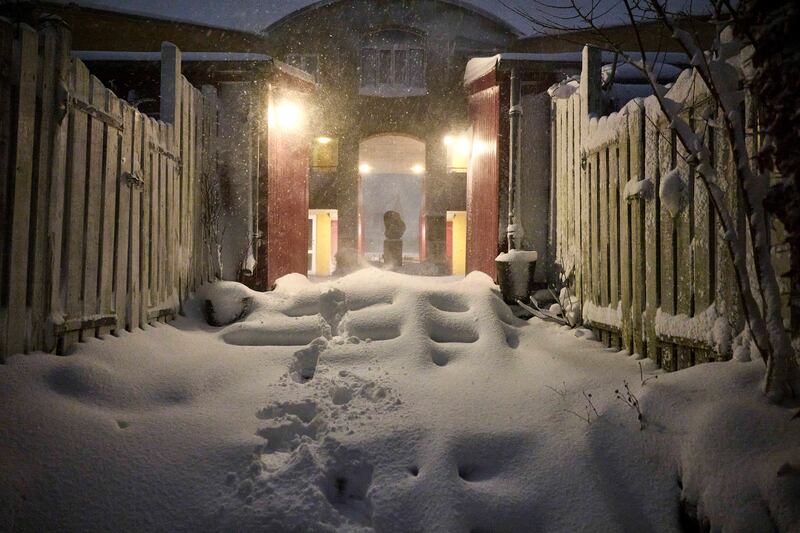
(414, 80)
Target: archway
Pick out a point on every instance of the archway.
(392, 174)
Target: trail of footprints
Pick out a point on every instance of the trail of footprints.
(342, 402)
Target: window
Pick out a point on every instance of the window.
(325, 154)
(306, 62)
(392, 64)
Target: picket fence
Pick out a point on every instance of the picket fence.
(650, 279)
(102, 206)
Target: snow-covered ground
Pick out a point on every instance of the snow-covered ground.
(387, 402)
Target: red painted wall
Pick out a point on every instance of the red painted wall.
(287, 200)
(483, 181)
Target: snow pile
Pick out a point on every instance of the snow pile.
(569, 306)
(601, 315)
(737, 457)
(642, 189)
(709, 327)
(382, 402)
(671, 191)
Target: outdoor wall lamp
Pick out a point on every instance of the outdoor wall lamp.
(286, 115)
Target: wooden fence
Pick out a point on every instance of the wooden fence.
(102, 206)
(652, 277)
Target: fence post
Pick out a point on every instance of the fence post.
(171, 86)
(590, 90)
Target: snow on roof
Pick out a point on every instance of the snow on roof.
(478, 67)
(113, 55)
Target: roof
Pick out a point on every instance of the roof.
(463, 4)
(480, 66)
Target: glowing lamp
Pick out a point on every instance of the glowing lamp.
(364, 168)
(418, 169)
(324, 140)
(286, 115)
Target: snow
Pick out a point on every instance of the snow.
(420, 405)
(602, 315)
(478, 67)
(638, 189)
(709, 327)
(671, 191)
(627, 73)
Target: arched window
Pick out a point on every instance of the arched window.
(392, 64)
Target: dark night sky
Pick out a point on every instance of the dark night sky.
(253, 14)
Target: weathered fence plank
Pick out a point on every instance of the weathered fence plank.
(42, 150)
(58, 184)
(639, 282)
(137, 174)
(684, 234)
(109, 207)
(75, 204)
(6, 123)
(625, 233)
(145, 239)
(704, 242)
(94, 187)
(652, 237)
(602, 237)
(613, 238)
(124, 182)
(667, 246)
(24, 70)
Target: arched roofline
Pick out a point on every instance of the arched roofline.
(466, 6)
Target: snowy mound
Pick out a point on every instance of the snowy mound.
(436, 318)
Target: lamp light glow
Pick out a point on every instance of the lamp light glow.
(364, 168)
(286, 114)
(418, 169)
(324, 140)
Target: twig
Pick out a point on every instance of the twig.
(641, 375)
(629, 398)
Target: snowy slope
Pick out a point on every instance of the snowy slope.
(381, 402)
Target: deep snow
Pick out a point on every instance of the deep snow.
(388, 402)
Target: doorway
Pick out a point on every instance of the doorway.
(392, 178)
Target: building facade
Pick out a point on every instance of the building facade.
(390, 107)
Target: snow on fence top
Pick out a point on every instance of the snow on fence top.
(478, 67)
(688, 91)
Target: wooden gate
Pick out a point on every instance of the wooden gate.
(101, 205)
